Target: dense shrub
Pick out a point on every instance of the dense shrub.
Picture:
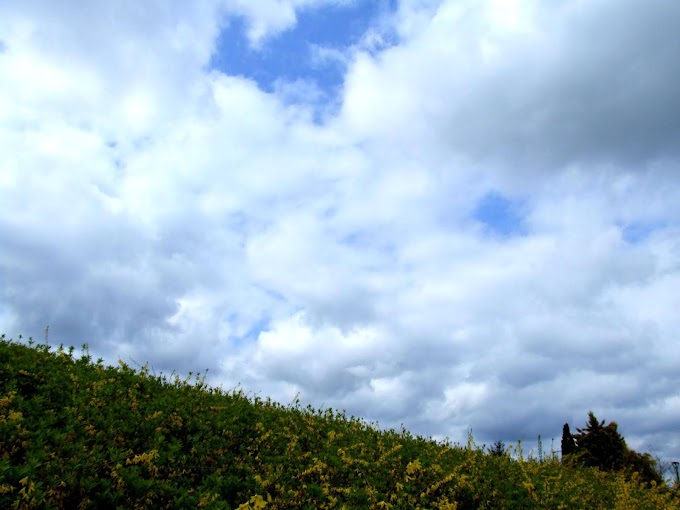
(77, 434)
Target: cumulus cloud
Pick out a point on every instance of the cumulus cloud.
(534, 83)
(169, 213)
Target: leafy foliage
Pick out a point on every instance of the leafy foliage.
(77, 434)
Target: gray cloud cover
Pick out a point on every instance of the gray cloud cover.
(165, 212)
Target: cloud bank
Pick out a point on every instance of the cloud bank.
(482, 232)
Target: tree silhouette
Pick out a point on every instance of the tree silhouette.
(497, 449)
(603, 447)
(568, 443)
(600, 446)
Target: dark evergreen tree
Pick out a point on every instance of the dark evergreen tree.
(600, 446)
(568, 444)
(603, 447)
(497, 449)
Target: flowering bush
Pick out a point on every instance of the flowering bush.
(77, 434)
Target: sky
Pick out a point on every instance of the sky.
(449, 215)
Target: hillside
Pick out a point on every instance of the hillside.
(75, 433)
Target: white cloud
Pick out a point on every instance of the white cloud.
(179, 216)
(569, 85)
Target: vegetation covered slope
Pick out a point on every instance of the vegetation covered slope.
(77, 434)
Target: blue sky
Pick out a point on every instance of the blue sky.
(289, 55)
(500, 214)
(637, 232)
(436, 226)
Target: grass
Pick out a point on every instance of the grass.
(75, 433)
